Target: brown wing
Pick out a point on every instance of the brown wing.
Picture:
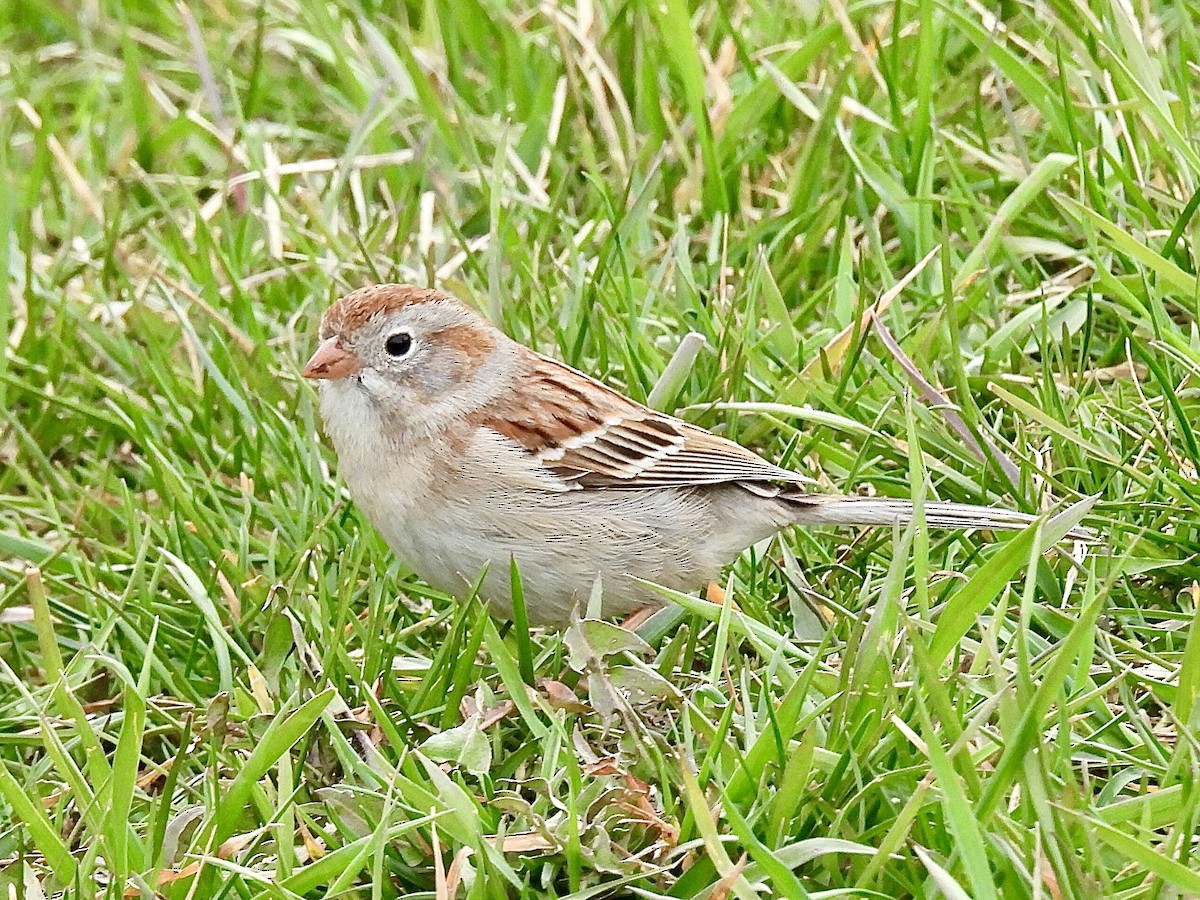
(593, 437)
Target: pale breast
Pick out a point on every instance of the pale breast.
(456, 506)
(451, 522)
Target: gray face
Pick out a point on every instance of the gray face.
(403, 354)
(393, 352)
(420, 365)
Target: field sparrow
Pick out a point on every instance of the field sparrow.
(466, 450)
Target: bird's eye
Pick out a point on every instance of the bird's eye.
(398, 345)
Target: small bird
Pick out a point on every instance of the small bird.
(467, 450)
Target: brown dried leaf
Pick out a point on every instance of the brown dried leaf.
(165, 876)
(637, 798)
(725, 885)
(606, 765)
(314, 847)
(231, 597)
(455, 874)
(150, 776)
(500, 711)
(440, 890)
(559, 696)
(526, 842)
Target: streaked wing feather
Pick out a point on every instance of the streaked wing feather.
(593, 437)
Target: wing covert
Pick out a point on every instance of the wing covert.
(593, 437)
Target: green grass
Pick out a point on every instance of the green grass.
(214, 680)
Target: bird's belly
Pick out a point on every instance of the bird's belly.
(561, 546)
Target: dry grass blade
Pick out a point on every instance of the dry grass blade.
(940, 402)
(835, 349)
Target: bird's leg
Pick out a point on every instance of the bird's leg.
(713, 593)
(638, 617)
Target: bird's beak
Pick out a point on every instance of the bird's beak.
(331, 361)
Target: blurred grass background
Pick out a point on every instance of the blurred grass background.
(214, 682)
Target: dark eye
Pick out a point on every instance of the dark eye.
(398, 344)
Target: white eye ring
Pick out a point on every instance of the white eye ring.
(398, 344)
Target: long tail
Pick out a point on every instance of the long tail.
(818, 509)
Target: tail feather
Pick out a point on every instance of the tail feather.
(818, 509)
